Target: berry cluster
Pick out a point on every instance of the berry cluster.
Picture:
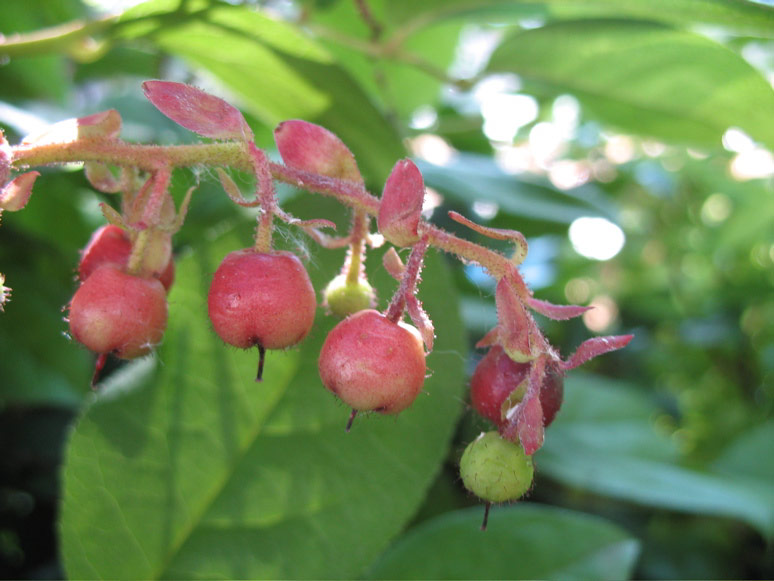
(260, 297)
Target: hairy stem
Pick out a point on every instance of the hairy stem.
(409, 281)
(357, 247)
(265, 194)
(234, 154)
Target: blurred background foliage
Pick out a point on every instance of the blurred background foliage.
(630, 142)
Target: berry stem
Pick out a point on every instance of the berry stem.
(261, 361)
(234, 154)
(98, 365)
(409, 281)
(356, 254)
(265, 193)
(487, 506)
(350, 420)
(151, 213)
(151, 216)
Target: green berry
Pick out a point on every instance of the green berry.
(344, 298)
(495, 469)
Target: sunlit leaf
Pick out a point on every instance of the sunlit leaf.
(645, 78)
(277, 73)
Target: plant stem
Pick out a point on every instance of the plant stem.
(144, 157)
(409, 281)
(265, 194)
(57, 39)
(152, 158)
(357, 246)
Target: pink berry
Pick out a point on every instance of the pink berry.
(114, 312)
(372, 363)
(110, 245)
(261, 299)
(498, 378)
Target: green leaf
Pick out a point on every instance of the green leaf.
(185, 467)
(745, 17)
(645, 78)
(279, 74)
(748, 455)
(38, 256)
(402, 87)
(603, 441)
(472, 177)
(524, 541)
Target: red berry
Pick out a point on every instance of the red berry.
(495, 378)
(551, 394)
(108, 245)
(111, 245)
(114, 312)
(261, 299)
(372, 363)
(498, 378)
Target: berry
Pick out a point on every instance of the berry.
(372, 363)
(343, 298)
(114, 312)
(108, 245)
(261, 299)
(111, 245)
(499, 383)
(496, 470)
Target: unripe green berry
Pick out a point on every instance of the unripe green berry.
(343, 298)
(496, 469)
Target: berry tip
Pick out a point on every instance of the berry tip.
(351, 419)
(261, 360)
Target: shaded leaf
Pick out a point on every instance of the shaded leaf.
(474, 177)
(521, 542)
(603, 440)
(187, 468)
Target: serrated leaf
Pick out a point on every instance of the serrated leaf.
(525, 541)
(646, 78)
(193, 470)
